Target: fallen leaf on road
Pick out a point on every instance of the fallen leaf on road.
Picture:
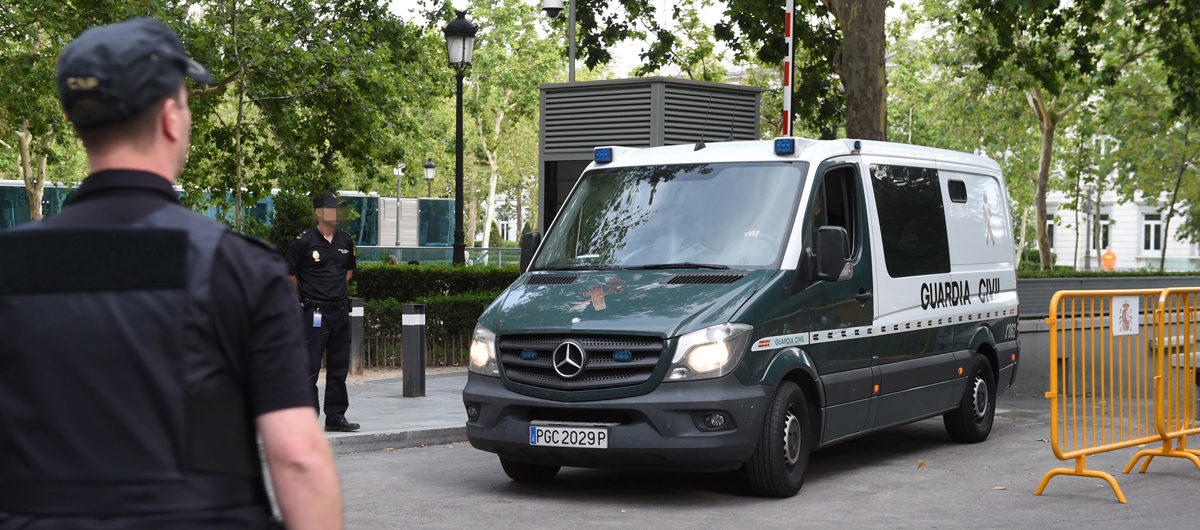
(1047, 440)
(920, 464)
(999, 488)
(390, 449)
(1141, 445)
(622, 511)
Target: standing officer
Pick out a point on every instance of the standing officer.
(134, 374)
(321, 261)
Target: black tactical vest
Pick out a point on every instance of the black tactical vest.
(113, 399)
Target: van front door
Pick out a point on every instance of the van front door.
(838, 315)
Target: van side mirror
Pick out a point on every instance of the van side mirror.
(529, 244)
(833, 253)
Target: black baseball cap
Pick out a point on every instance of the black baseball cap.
(328, 200)
(127, 67)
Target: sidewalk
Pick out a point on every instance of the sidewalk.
(389, 419)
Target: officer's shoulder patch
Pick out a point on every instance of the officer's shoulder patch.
(302, 234)
(257, 242)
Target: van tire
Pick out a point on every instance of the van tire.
(523, 472)
(776, 468)
(972, 421)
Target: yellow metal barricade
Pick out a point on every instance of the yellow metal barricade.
(1102, 373)
(1175, 382)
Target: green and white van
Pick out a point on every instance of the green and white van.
(744, 304)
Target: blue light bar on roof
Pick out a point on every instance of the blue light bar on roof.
(604, 155)
(785, 146)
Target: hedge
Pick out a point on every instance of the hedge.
(1071, 273)
(454, 314)
(408, 283)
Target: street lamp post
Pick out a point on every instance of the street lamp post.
(430, 169)
(460, 46)
(398, 172)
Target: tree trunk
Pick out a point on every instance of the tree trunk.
(35, 183)
(1183, 165)
(1048, 121)
(860, 63)
(520, 212)
(237, 188)
(472, 219)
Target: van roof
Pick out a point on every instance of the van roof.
(764, 151)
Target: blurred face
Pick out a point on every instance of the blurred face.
(327, 215)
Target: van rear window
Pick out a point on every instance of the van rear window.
(912, 220)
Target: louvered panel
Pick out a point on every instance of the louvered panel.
(582, 118)
(691, 111)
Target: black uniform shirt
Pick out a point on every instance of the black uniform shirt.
(256, 314)
(320, 266)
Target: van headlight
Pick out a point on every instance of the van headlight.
(483, 352)
(709, 352)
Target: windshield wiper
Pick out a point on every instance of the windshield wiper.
(680, 265)
(582, 268)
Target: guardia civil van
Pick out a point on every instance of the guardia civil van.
(746, 303)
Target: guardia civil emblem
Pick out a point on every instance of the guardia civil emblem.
(316, 256)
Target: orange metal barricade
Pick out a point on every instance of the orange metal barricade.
(1101, 396)
(1175, 385)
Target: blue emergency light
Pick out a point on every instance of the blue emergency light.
(623, 356)
(785, 146)
(603, 155)
(529, 355)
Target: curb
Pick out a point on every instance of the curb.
(359, 443)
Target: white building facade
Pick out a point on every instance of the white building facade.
(1135, 230)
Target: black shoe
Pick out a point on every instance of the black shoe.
(341, 425)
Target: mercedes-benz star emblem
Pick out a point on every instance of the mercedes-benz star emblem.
(569, 359)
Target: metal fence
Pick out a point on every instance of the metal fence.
(385, 351)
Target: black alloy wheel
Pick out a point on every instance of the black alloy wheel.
(523, 472)
(780, 459)
(972, 421)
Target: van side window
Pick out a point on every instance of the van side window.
(912, 220)
(958, 190)
(836, 204)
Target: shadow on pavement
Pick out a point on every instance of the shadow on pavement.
(904, 444)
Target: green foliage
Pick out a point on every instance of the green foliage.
(407, 283)
(292, 215)
(447, 315)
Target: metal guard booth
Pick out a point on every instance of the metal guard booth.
(641, 112)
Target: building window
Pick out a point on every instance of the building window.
(1104, 230)
(1152, 232)
(1050, 234)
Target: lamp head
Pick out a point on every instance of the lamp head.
(460, 41)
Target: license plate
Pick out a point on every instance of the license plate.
(555, 436)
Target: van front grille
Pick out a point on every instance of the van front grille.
(612, 361)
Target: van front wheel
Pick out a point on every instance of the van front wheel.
(972, 421)
(780, 460)
(523, 472)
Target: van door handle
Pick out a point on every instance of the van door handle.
(863, 297)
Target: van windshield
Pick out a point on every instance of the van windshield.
(733, 215)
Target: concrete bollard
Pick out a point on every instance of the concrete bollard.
(356, 336)
(413, 355)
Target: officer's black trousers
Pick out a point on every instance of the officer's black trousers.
(332, 339)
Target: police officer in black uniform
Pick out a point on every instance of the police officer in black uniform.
(142, 345)
(321, 261)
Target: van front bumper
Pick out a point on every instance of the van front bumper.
(663, 429)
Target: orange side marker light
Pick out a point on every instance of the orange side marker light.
(959, 370)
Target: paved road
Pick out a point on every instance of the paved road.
(872, 482)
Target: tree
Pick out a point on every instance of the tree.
(1059, 54)
(1160, 147)
(690, 48)
(845, 37)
